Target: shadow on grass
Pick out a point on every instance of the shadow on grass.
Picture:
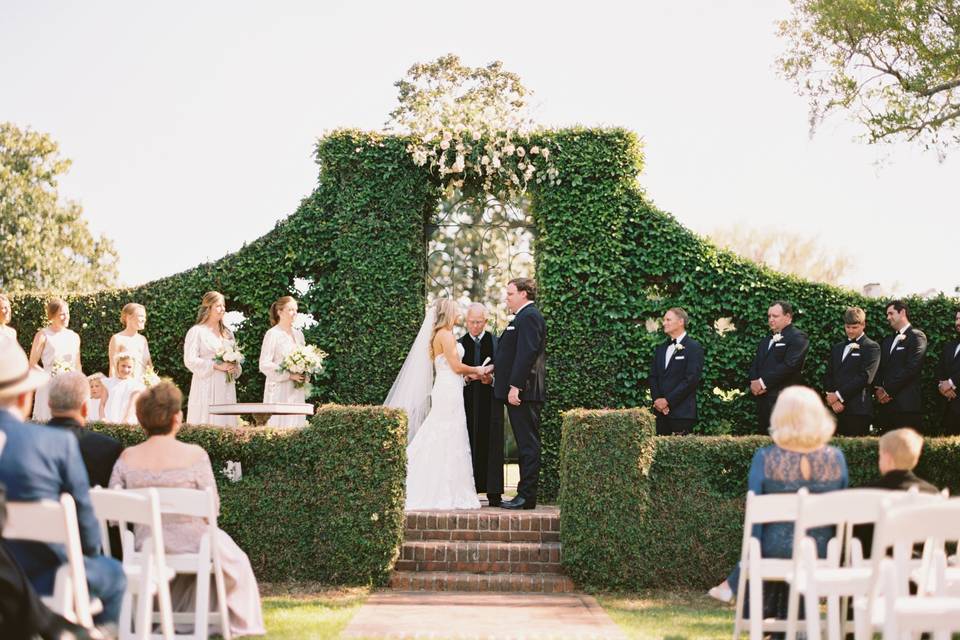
(668, 615)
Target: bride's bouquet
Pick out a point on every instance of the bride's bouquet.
(150, 377)
(306, 361)
(232, 354)
(60, 366)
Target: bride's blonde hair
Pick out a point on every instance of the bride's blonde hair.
(445, 315)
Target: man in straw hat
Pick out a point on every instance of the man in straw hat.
(40, 463)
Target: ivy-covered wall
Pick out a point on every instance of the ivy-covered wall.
(608, 263)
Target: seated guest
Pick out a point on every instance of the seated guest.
(69, 393)
(899, 452)
(163, 461)
(800, 426)
(40, 463)
(98, 397)
(121, 401)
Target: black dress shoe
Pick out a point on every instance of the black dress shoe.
(519, 503)
(494, 502)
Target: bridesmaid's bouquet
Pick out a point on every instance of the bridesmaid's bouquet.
(232, 354)
(150, 377)
(60, 366)
(306, 361)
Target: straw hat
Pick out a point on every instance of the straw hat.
(16, 374)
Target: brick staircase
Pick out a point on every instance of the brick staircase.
(485, 550)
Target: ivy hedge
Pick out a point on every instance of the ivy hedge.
(323, 503)
(609, 262)
(640, 511)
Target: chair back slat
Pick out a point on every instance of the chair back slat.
(41, 521)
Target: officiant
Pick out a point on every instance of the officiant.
(484, 426)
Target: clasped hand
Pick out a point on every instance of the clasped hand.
(947, 390)
(226, 367)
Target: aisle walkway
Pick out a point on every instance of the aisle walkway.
(394, 614)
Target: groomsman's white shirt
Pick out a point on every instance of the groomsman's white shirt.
(673, 347)
(896, 340)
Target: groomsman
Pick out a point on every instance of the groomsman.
(851, 369)
(675, 375)
(520, 383)
(897, 385)
(778, 362)
(484, 424)
(948, 373)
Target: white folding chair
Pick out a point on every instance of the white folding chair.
(147, 573)
(888, 605)
(202, 564)
(52, 522)
(764, 509)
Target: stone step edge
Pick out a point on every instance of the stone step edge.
(483, 535)
(434, 521)
(488, 582)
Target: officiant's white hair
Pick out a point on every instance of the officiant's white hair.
(477, 306)
(800, 420)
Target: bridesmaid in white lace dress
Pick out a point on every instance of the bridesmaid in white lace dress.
(133, 317)
(209, 384)
(55, 343)
(6, 314)
(164, 461)
(278, 342)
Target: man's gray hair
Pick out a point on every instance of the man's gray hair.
(477, 306)
(68, 392)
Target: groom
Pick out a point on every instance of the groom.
(519, 381)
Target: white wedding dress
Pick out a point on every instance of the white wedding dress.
(439, 464)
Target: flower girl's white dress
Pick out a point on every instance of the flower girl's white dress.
(439, 465)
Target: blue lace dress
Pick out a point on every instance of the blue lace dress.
(776, 470)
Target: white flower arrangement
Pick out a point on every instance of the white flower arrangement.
(777, 337)
(231, 354)
(60, 366)
(678, 347)
(854, 346)
(150, 377)
(306, 361)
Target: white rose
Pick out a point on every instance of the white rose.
(509, 149)
(495, 163)
(546, 153)
(521, 152)
(534, 150)
(485, 160)
(476, 135)
(445, 144)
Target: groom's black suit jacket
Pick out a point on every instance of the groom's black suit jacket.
(678, 381)
(853, 377)
(521, 357)
(899, 373)
(780, 365)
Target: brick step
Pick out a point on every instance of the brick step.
(487, 582)
(480, 557)
(486, 525)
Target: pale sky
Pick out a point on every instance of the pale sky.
(191, 125)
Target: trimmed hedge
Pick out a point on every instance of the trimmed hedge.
(640, 511)
(607, 260)
(323, 503)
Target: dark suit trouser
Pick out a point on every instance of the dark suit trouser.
(495, 455)
(853, 425)
(951, 423)
(765, 404)
(667, 426)
(22, 615)
(890, 420)
(525, 422)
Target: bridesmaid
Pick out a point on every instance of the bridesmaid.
(53, 344)
(209, 383)
(278, 342)
(5, 315)
(133, 317)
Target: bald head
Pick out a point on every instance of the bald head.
(476, 319)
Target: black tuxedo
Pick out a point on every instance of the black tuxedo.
(899, 375)
(99, 451)
(949, 369)
(852, 378)
(779, 365)
(484, 423)
(895, 480)
(521, 362)
(677, 382)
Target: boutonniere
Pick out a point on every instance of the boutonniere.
(777, 337)
(901, 337)
(511, 317)
(854, 346)
(679, 347)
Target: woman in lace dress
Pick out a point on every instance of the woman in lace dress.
(210, 384)
(439, 463)
(133, 317)
(800, 426)
(163, 461)
(278, 342)
(6, 313)
(52, 344)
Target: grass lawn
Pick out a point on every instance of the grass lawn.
(313, 612)
(671, 615)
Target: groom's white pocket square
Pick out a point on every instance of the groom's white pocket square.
(680, 357)
(511, 328)
(780, 344)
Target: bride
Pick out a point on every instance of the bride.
(439, 467)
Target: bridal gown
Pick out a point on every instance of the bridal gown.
(439, 464)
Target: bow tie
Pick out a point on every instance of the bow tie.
(850, 341)
(674, 341)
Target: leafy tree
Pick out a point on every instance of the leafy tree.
(45, 244)
(894, 65)
(784, 251)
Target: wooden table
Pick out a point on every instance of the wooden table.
(262, 411)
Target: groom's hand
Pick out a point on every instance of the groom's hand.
(514, 396)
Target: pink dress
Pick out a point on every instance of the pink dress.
(181, 534)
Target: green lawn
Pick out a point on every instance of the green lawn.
(313, 612)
